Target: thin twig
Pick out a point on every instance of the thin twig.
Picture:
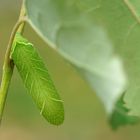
(8, 65)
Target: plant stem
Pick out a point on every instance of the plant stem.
(22, 14)
(8, 65)
(6, 78)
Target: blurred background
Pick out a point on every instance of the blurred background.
(85, 118)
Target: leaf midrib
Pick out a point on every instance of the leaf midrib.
(132, 10)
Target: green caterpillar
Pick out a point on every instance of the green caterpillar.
(37, 80)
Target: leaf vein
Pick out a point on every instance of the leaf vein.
(132, 10)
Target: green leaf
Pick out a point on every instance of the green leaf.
(89, 34)
(37, 80)
(120, 115)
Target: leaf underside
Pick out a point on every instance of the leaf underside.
(96, 36)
